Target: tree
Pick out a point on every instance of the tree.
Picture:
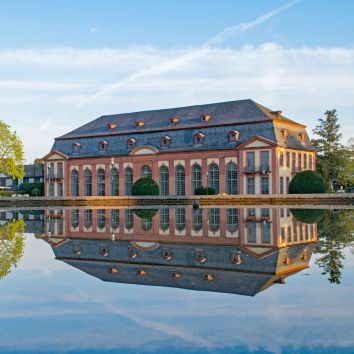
(331, 154)
(145, 186)
(11, 245)
(11, 153)
(335, 232)
(38, 161)
(307, 182)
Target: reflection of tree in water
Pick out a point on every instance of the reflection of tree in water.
(335, 232)
(11, 245)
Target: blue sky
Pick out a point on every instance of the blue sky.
(64, 63)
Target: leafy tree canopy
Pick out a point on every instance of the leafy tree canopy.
(335, 162)
(11, 245)
(11, 153)
(335, 232)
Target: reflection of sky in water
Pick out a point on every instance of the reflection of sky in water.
(48, 306)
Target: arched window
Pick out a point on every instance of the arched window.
(231, 178)
(164, 180)
(74, 183)
(213, 177)
(180, 219)
(214, 219)
(114, 219)
(75, 218)
(128, 180)
(87, 182)
(145, 171)
(197, 219)
(164, 219)
(180, 179)
(101, 182)
(114, 181)
(101, 218)
(129, 219)
(88, 218)
(232, 219)
(196, 177)
(146, 224)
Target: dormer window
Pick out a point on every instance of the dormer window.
(131, 143)
(165, 141)
(205, 117)
(111, 126)
(233, 135)
(284, 134)
(174, 120)
(277, 114)
(103, 145)
(198, 138)
(139, 123)
(302, 138)
(75, 147)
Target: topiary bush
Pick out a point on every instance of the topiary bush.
(145, 213)
(145, 186)
(204, 191)
(306, 182)
(308, 216)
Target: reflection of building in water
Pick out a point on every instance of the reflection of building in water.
(241, 251)
(34, 220)
(248, 226)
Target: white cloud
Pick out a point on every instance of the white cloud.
(67, 87)
(93, 30)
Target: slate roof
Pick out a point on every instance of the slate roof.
(246, 116)
(34, 170)
(248, 278)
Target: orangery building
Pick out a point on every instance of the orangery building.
(237, 147)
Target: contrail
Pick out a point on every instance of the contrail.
(245, 26)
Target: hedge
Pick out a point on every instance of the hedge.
(145, 186)
(6, 193)
(31, 188)
(306, 182)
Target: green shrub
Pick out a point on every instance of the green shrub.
(205, 191)
(6, 193)
(307, 182)
(27, 188)
(145, 213)
(145, 186)
(308, 216)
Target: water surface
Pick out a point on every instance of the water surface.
(263, 280)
